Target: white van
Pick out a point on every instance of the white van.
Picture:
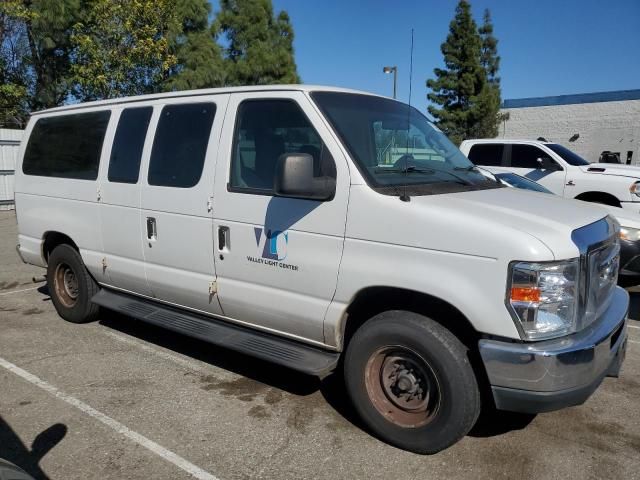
(273, 221)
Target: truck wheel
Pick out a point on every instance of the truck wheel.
(70, 285)
(411, 382)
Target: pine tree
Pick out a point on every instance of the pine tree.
(260, 46)
(198, 56)
(489, 99)
(456, 87)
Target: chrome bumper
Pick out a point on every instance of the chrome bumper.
(552, 374)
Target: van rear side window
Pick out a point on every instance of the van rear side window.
(124, 165)
(180, 145)
(66, 146)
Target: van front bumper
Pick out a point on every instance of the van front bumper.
(548, 375)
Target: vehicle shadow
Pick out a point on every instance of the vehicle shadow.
(296, 383)
(634, 304)
(331, 388)
(492, 422)
(13, 450)
(255, 369)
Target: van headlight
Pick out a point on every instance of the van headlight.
(629, 234)
(543, 298)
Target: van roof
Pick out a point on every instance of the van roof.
(202, 92)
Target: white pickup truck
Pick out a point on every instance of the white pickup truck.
(276, 221)
(560, 170)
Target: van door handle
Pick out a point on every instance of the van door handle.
(152, 230)
(223, 238)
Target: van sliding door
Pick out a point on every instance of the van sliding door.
(177, 200)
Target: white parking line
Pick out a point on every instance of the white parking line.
(633, 326)
(633, 341)
(150, 445)
(18, 291)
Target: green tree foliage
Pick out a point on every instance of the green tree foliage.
(466, 93)
(198, 56)
(121, 48)
(55, 51)
(489, 99)
(34, 54)
(260, 46)
(13, 75)
(49, 34)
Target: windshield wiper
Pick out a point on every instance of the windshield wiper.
(470, 168)
(428, 171)
(407, 169)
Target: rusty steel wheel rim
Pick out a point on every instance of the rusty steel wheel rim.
(402, 386)
(65, 284)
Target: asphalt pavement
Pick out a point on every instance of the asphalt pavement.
(121, 399)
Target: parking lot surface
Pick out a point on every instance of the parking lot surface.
(122, 399)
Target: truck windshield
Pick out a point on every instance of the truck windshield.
(567, 155)
(518, 181)
(395, 145)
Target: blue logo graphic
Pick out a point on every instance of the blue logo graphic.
(273, 243)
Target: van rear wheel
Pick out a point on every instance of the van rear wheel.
(411, 382)
(70, 285)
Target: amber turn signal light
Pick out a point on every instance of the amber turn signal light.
(525, 294)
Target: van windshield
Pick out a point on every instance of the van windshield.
(395, 145)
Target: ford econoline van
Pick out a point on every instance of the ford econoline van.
(322, 229)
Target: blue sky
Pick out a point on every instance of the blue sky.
(548, 47)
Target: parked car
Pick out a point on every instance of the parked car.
(275, 221)
(560, 170)
(629, 226)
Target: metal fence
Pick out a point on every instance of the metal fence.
(9, 146)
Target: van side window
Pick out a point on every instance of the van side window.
(180, 145)
(66, 146)
(487, 154)
(266, 129)
(526, 156)
(124, 165)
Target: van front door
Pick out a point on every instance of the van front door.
(176, 220)
(277, 258)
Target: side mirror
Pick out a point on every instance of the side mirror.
(294, 179)
(547, 164)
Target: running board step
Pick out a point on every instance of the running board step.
(272, 348)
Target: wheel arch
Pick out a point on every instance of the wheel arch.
(599, 197)
(51, 239)
(376, 299)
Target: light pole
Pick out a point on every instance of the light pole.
(393, 69)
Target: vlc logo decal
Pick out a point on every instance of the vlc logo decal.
(273, 243)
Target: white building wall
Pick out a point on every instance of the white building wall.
(613, 126)
(9, 146)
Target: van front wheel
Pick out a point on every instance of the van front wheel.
(411, 382)
(70, 285)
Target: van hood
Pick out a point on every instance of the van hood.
(506, 223)
(612, 169)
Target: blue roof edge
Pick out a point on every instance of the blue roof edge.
(573, 99)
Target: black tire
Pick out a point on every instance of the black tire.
(396, 342)
(70, 285)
